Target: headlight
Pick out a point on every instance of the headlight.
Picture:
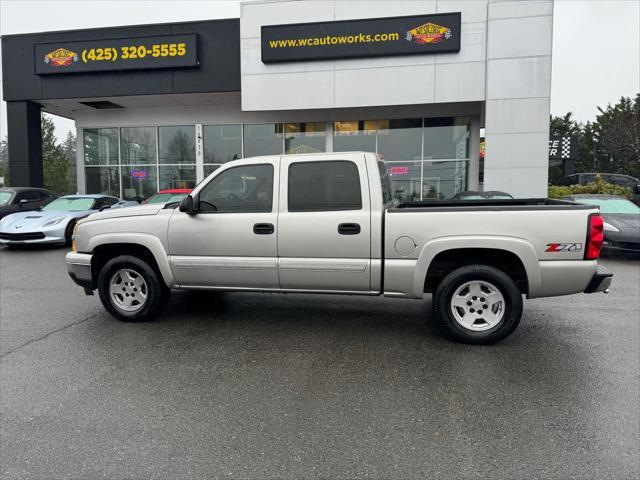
(610, 228)
(53, 221)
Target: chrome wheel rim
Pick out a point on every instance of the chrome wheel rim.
(477, 305)
(128, 290)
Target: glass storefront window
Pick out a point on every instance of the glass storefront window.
(446, 142)
(306, 137)
(100, 146)
(138, 145)
(174, 176)
(222, 143)
(177, 144)
(104, 180)
(400, 140)
(355, 135)
(139, 183)
(262, 139)
(405, 180)
(442, 180)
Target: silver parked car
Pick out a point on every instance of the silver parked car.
(53, 223)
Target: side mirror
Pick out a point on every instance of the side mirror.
(23, 202)
(186, 205)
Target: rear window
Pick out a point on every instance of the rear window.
(324, 186)
(5, 197)
(386, 183)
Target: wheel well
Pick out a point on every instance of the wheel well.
(103, 253)
(447, 261)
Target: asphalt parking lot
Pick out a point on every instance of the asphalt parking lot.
(294, 386)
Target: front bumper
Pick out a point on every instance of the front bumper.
(51, 235)
(600, 282)
(79, 269)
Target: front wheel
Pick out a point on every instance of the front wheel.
(477, 304)
(131, 290)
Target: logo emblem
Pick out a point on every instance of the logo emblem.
(563, 247)
(60, 58)
(428, 33)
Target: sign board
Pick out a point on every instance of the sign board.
(563, 147)
(164, 51)
(375, 37)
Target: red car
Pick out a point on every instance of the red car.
(169, 195)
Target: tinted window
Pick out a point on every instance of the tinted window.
(240, 189)
(323, 186)
(386, 183)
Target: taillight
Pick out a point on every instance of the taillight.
(595, 237)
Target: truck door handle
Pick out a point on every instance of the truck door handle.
(263, 228)
(349, 228)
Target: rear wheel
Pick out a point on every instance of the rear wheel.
(68, 234)
(131, 290)
(477, 304)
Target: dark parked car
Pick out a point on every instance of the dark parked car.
(621, 221)
(628, 181)
(23, 199)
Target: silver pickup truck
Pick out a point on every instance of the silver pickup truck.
(327, 223)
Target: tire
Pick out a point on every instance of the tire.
(139, 292)
(477, 304)
(68, 234)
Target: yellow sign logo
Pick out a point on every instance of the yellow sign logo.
(428, 33)
(60, 58)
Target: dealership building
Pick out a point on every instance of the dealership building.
(163, 105)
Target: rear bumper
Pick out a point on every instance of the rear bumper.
(79, 269)
(600, 282)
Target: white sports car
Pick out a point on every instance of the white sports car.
(54, 222)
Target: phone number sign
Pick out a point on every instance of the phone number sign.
(137, 53)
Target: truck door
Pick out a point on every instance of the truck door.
(231, 239)
(324, 224)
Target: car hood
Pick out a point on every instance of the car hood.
(140, 210)
(25, 221)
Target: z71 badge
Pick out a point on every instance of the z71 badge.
(563, 247)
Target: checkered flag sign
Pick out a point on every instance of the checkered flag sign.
(562, 147)
(566, 147)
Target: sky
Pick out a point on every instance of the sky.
(596, 43)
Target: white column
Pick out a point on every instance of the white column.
(199, 153)
(518, 90)
(81, 186)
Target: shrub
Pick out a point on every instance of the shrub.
(598, 187)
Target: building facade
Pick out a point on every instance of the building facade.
(414, 81)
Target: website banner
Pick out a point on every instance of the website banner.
(375, 37)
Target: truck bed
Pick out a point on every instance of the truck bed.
(497, 204)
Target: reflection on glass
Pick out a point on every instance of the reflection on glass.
(100, 146)
(177, 177)
(262, 139)
(209, 169)
(222, 143)
(400, 139)
(446, 142)
(177, 144)
(138, 145)
(405, 180)
(104, 180)
(442, 180)
(139, 183)
(306, 137)
(355, 135)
